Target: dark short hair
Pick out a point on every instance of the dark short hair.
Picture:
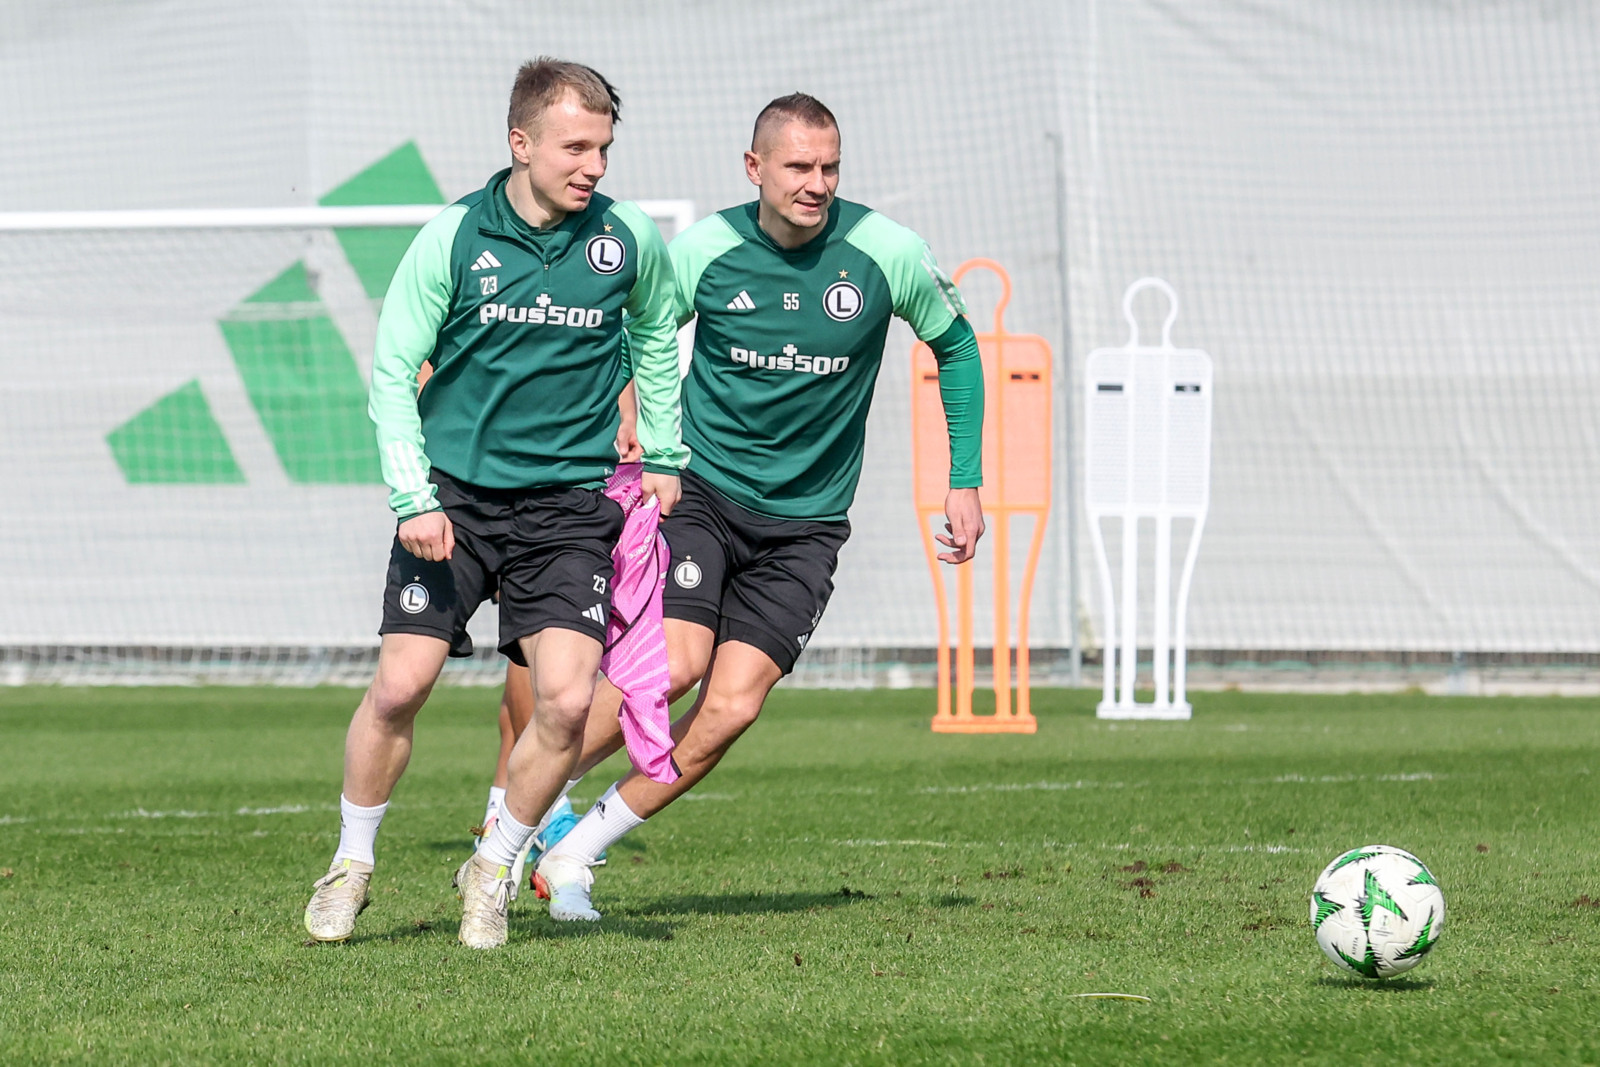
(542, 82)
(796, 107)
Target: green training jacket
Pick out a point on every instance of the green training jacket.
(524, 329)
(787, 348)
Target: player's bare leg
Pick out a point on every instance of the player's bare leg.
(378, 744)
(516, 708)
(376, 750)
(689, 648)
(602, 732)
(563, 665)
(558, 819)
(601, 737)
(735, 687)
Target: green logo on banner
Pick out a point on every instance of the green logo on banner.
(176, 440)
(296, 368)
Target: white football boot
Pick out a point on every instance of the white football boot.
(565, 883)
(340, 896)
(485, 890)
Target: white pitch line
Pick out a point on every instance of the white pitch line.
(1282, 779)
(1158, 850)
(1273, 849)
(140, 813)
(277, 809)
(1018, 787)
(1105, 846)
(1336, 779)
(1108, 996)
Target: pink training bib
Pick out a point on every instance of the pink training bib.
(635, 660)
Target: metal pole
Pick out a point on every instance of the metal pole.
(1066, 414)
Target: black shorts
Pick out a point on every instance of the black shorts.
(748, 577)
(546, 551)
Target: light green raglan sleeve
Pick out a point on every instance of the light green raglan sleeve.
(408, 330)
(931, 304)
(652, 347)
(693, 251)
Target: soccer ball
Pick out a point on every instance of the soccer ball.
(1377, 911)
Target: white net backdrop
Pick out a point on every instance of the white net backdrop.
(1377, 215)
(1381, 218)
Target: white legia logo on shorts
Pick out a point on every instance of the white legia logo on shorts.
(606, 254)
(687, 574)
(842, 301)
(414, 597)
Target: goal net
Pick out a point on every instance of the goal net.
(1381, 218)
(193, 485)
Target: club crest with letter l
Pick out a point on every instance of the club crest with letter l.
(606, 254)
(414, 598)
(842, 301)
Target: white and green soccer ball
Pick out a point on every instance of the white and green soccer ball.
(1377, 911)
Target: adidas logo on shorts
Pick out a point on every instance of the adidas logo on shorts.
(596, 614)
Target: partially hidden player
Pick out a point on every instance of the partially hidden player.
(793, 295)
(516, 294)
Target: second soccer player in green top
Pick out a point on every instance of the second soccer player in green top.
(792, 296)
(787, 347)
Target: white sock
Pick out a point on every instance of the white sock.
(555, 808)
(602, 826)
(497, 801)
(505, 841)
(358, 830)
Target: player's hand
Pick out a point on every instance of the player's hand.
(664, 487)
(628, 447)
(965, 514)
(629, 450)
(429, 536)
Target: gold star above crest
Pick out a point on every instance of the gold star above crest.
(844, 274)
(608, 227)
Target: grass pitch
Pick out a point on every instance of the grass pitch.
(846, 888)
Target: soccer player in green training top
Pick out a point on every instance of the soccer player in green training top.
(516, 294)
(794, 293)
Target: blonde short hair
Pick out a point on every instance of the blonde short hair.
(545, 80)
